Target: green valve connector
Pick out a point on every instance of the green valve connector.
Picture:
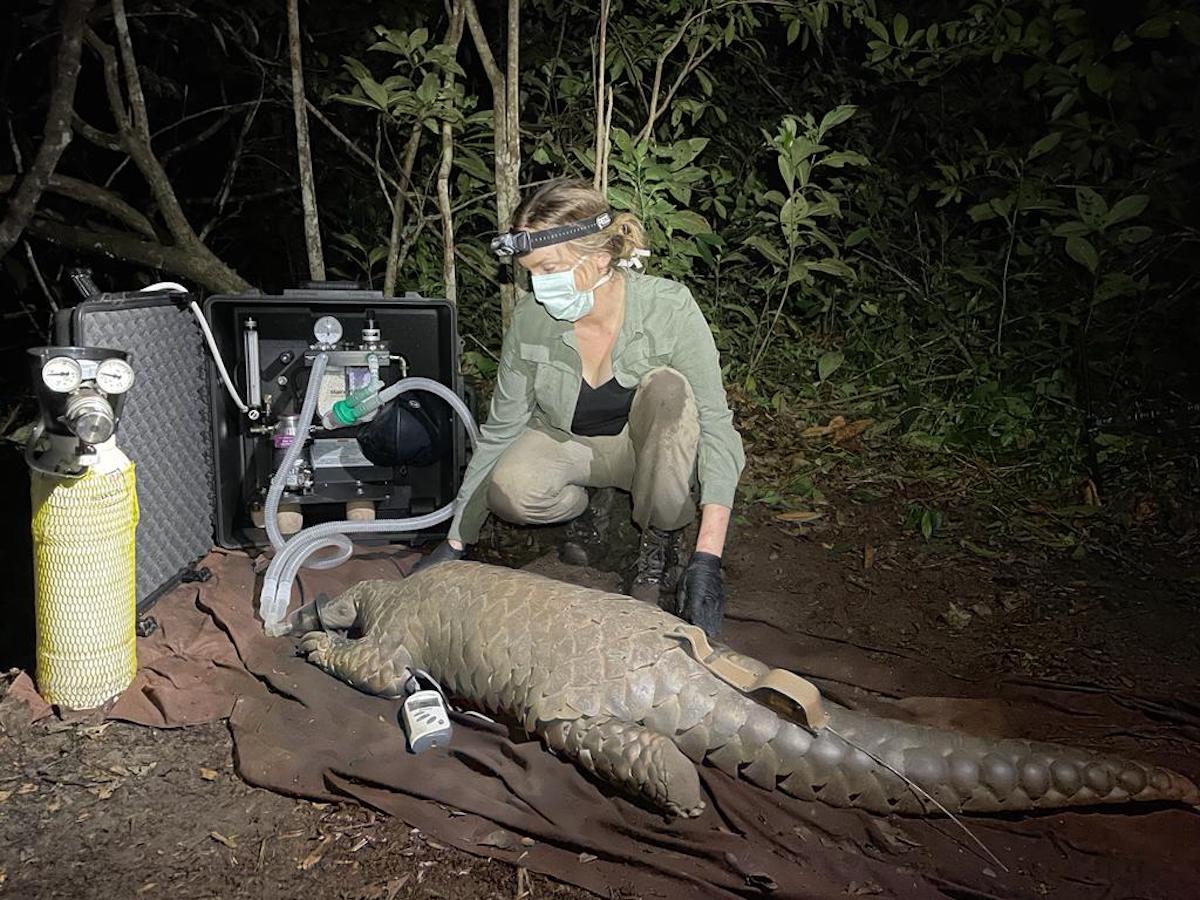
(354, 407)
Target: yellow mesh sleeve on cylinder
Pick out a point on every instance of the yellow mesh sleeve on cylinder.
(83, 563)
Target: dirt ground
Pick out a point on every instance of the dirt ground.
(94, 809)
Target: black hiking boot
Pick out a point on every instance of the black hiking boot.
(656, 569)
(586, 540)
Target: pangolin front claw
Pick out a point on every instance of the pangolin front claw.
(316, 646)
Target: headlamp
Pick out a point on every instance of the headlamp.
(518, 243)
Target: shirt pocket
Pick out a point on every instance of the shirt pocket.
(555, 391)
(639, 357)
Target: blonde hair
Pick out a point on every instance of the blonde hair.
(567, 200)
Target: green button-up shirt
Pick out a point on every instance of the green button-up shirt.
(540, 373)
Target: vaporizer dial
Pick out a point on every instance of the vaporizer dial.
(328, 330)
(115, 376)
(61, 374)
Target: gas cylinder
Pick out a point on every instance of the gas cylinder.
(85, 515)
(84, 581)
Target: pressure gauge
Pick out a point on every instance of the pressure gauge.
(61, 374)
(115, 376)
(328, 330)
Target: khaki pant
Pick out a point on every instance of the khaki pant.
(542, 477)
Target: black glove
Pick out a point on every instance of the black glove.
(441, 553)
(701, 599)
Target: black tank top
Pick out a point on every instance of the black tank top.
(603, 410)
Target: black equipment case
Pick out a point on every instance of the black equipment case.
(421, 330)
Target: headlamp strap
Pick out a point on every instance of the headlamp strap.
(518, 243)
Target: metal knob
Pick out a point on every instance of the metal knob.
(90, 418)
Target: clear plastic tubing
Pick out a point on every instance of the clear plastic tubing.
(291, 555)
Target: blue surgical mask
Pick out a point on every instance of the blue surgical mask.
(556, 291)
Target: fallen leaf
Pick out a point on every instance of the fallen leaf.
(221, 839)
(1011, 601)
(587, 858)
(394, 886)
(529, 842)
(956, 616)
(104, 791)
(799, 515)
(4, 795)
(148, 886)
(27, 788)
(844, 433)
(501, 839)
(318, 852)
(821, 430)
(868, 556)
(208, 774)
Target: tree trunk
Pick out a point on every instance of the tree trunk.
(308, 192)
(398, 207)
(449, 275)
(601, 69)
(505, 127)
(510, 175)
(57, 131)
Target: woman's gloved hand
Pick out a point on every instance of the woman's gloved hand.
(441, 553)
(701, 598)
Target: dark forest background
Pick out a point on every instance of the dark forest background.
(973, 225)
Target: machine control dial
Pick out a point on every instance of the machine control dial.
(114, 376)
(62, 374)
(328, 330)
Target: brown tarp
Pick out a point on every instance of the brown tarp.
(302, 733)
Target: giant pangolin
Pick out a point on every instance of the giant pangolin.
(597, 677)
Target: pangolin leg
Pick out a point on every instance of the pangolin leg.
(629, 756)
(364, 663)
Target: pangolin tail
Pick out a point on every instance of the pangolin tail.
(964, 773)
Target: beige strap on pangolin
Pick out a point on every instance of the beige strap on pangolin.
(785, 692)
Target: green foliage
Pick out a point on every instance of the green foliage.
(656, 182)
(966, 222)
(925, 520)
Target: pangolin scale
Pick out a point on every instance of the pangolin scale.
(597, 677)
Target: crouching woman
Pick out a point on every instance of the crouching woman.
(608, 378)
